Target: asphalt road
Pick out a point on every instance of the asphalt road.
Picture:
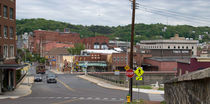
(70, 89)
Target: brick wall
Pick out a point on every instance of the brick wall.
(162, 65)
(10, 23)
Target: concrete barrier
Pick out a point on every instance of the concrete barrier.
(192, 88)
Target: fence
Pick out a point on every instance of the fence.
(148, 78)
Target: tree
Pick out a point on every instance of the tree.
(77, 49)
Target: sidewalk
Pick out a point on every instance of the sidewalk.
(23, 89)
(155, 95)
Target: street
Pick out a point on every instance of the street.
(70, 89)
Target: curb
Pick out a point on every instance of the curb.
(116, 87)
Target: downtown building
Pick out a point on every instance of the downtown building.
(8, 65)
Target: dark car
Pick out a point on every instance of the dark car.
(51, 78)
(37, 78)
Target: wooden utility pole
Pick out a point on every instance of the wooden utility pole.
(131, 52)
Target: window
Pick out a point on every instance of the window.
(118, 59)
(0, 31)
(192, 47)
(5, 51)
(121, 58)
(174, 47)
(12, 51)
(182, 47)
(11, 15)
(114, 59)
(5, 11)
(11, 32)
(187, 47)
(0, 10)
(168, 47)
(178, 47)
(5, 31)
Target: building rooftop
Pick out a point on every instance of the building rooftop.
(58, 51)
(100, 51)
(169, 59)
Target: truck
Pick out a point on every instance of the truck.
(40, 69)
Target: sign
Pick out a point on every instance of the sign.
(127, 67)
(77, 63)
(139, 72)
(53, 60)
(129, 73)
(116, 72)
(128, 99)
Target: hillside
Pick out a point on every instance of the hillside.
(142, 31)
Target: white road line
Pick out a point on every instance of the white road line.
(66, 97)
(121, 99)
(89, 98)
(51, 97)
(114, 98)
(105, 99)
(58, 97)
(97, 98)
(81, 98)
(74, 97)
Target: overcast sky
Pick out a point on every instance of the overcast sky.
(117, 12)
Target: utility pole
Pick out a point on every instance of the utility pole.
(131, 52)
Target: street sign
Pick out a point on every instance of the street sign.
(77, 63)
(139, 72)
(53, 60)
(116, 72)
(127, 67)
(129, 73)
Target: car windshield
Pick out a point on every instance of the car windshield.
(51, 76)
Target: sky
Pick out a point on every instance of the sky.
(117, 12)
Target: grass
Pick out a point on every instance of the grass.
(163, 102)
(161, 89)
(143, 87)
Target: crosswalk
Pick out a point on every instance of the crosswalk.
(79, 98)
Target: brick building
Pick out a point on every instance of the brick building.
(41, 37)
(98, 42)
(8, 65)
(160, 64)
(193, 64)
(120, 60)
(51, 45)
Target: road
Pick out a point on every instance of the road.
(71, 90)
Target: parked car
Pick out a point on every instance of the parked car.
(38, 78)
(51, 78)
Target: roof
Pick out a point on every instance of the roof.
(197, 75)
(98, 63)
(58, 51)
(169, 59)
(100, 51)
(12, 66)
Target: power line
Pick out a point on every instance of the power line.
(172, 14)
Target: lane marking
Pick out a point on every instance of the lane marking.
(65, 85)
(67, 101)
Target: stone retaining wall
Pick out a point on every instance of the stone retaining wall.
(192, 88)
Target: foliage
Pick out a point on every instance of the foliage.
(26, 55)
(160, 88)
(77, 49)
(143, 87)
(142, 31)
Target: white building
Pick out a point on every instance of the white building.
(175, 43)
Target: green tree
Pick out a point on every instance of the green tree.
(77, 49)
